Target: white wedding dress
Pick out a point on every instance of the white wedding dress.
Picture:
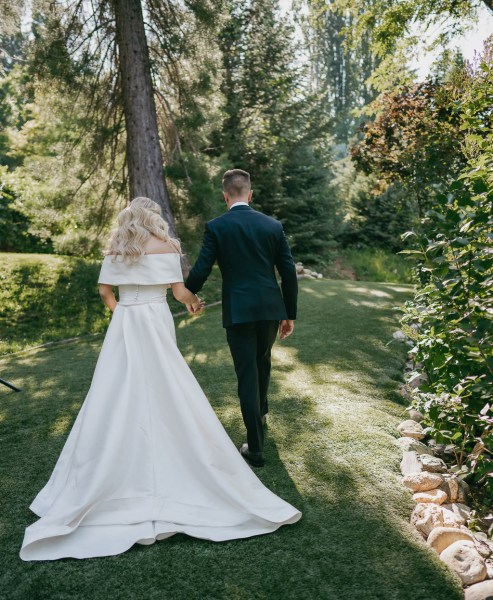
(147, 457)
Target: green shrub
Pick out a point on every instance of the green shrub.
(453, 307)
(45, 297)
(14, 227)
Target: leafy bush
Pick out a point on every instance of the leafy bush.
(453, 309)
(379, 220)
(14, 227)
(45, 297)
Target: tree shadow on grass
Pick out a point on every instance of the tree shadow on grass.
(353, 541)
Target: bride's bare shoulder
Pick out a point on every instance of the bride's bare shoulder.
(156, 246)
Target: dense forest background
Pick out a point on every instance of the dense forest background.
(302, 103)
(346, 146)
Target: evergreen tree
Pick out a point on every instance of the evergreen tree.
(273, 127)
(338, 71)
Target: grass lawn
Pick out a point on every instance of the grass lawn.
(330, 452)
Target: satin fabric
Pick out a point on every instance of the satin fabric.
(147, 457)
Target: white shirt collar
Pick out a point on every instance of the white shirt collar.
(241, 203)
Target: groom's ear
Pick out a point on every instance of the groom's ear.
(225, 197)
(250, 196)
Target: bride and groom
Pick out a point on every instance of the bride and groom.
(147, 457)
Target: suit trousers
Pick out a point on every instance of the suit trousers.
(250, 345)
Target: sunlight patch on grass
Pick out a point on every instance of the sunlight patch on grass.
(371, 292)
(317, 293)
(61, 425)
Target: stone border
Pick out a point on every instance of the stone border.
(441, 514)
(305, 273)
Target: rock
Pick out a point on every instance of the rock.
(411, 445)
(299, 269)
(442, 537)
(405, 391)
(409, 366)
(480, 591)
(410, 463)
(320, 276)
(399, 335)
(422, 482)
(415, 382)
(463, 491)
(437, 496)
(454, 488)
(410, 428)
(483, 548)
(482, 537)
(449, 450)
(415, 415)
(432, 464)
(489, 568)
(461, 510)
(427, 515)
(463, 558)
(438, 449)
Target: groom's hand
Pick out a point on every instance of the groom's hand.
(286, 327)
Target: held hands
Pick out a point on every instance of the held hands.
(195, 308)
(286, 327)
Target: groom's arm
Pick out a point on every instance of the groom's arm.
(289, 281)
(204, 263)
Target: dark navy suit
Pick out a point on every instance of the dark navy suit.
(248, 246)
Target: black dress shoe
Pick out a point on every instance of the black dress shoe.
(256, 459)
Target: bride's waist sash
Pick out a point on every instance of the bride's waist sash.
(131, 294)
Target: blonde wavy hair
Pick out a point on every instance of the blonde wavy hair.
(136, 223)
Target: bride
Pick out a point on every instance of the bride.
(146, 457)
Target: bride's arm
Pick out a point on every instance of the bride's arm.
(107, 295)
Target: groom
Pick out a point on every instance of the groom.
(247, 245)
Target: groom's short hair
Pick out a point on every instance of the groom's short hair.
(236, 182)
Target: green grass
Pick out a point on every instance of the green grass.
(45, 297)
(330, 452)
(369, 264)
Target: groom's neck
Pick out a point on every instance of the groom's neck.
(236, 200)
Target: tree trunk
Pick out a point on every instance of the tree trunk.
(144, 157)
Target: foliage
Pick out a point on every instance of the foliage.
(339, 73)
(63, 136)
(48, 167)
(45, 298)
(379, 219)
(14, 227)
(390, 22)
(368, 264)
(415, 139)
(453, 307)
(275, 128)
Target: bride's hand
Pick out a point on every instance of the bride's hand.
(195, 307)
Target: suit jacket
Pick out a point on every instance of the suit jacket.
(247, 245)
